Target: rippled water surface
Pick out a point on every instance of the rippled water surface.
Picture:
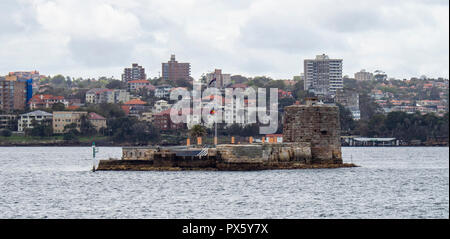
(56, 182)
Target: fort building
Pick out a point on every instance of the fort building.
(311, 139)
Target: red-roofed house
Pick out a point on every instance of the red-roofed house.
(135, 102)
(97, 120)
(46, 101)
(134, 107)
(284, 94)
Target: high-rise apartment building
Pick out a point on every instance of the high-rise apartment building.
(363, 75)
(136, 72)
(173, 70)
(221, 80)
(14, 93)
(323, 76)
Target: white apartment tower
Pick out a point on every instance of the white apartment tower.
(323, 76)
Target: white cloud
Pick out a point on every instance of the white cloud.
(264, 37)
(88, 19)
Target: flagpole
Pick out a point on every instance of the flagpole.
(215, 121)
(215, 134)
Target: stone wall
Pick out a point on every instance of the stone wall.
(264, 153)
(138, 153)
(317, 124)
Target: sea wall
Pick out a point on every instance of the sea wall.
(264, 153)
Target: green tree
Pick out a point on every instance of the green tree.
(40, 128)
(368, 107)
(86, 127)
(6, 133)
(116, 84)
(346, 119)
(197, 131)
(71, 135)
(58, 107)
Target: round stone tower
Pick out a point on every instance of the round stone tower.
(317, 124)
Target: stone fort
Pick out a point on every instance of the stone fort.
(311, 139)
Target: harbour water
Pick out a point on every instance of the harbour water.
(392, 182)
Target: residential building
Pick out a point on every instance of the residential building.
(284, 94)
(110, 96)
(97, 121)
(163, 91)
(26, 120)
(221, 80)
(14, 93)
(46, 101)
(174, 70)
(33, 76)
(163, 122)
(63, 118)
(26, 75)
(323, 76)
(363, 75)
(147, 117)
(161, 105)
(350, 100)
(135, 85)
(121, 96)
(8, 121)
(135, 107)
(136, 72)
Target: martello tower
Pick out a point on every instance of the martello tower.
(317, 124)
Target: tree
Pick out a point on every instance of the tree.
(6, 133)
(41, 129)
(238, 79)
(58, 81)
(116, 84)
(71, 135)
(86, 127)
(130, 130)
(182, 82)
(259, 81)
(105, 110)
(197, 131)
(58, 107)
(275, 84)
(346, 119)
(283, 102)
(368, 107)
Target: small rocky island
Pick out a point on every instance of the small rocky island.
(311, 135)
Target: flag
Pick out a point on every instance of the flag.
(212, 111)
(213, 80)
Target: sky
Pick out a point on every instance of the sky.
(93, 38)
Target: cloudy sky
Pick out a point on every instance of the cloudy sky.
(95, 38)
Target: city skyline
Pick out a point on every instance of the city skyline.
(252, 38)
